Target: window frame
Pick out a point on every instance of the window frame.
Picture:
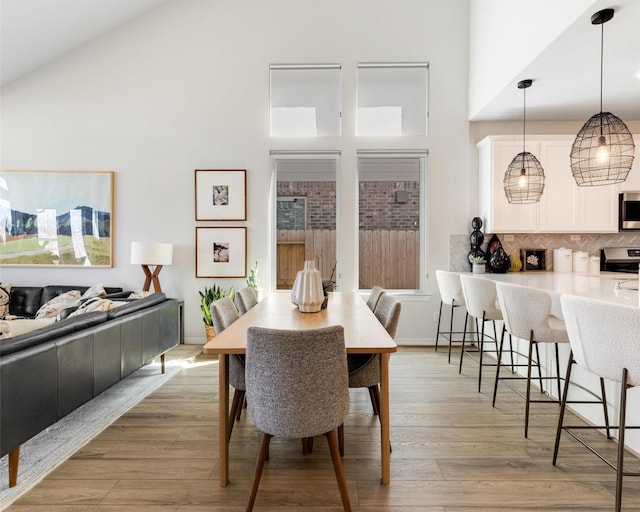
(422, 157)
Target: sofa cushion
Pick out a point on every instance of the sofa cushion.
(25, 300)
(51, 332)
(52, 307)
(5, 295)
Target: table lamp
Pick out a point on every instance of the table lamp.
(149, 254)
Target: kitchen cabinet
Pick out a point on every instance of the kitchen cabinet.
(563, 208)
(632, 183)
(498, 215)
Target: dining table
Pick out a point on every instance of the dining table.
(363, 333)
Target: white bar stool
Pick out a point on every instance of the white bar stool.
(527, 315)
(450, 294)
(482, 304)
(604, 341)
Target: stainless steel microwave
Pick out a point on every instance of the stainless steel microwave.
(629, 211)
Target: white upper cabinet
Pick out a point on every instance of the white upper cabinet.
(563, 208)
(632, 183)
(498, 215)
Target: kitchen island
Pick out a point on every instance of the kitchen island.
(619, 288)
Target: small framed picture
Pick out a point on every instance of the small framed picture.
(533, 259)
(221, 252)
(221, 195)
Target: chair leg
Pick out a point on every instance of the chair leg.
(341, 439)
(526, 407)
(537, 365)
(438, 328)
(558, 373)
(374, 396)
(236, 405)
(620, 463)
(464, 339)
(339, 470)
(481, 354)
(453, 305)
(605, 410)
(563, 405)
(495, 383)
(257, 474)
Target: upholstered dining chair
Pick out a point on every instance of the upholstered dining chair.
(604, 341)
(482, 304)
(364, 369)
(527, 315)
(246, 298)
(374, 297)
(450, 294)
(297, 387)
(223, 314)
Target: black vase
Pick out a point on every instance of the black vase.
(499, 262)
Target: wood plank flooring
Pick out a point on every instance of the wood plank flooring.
(452, 452)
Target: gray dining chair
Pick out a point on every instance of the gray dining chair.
(297, 387)
(364, 369)
(223, 314)
(246, 298)
(374, 297)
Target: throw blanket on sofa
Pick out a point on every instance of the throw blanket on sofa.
(11, 328)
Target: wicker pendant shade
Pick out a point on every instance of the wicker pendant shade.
(602, 153)
(524, 180)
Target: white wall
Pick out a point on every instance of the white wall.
(187, 87)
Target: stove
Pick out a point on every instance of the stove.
(620, 259)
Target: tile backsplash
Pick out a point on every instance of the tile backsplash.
(459, 245)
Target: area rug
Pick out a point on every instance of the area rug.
(46, 451)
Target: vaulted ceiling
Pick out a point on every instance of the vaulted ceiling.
(34, 33)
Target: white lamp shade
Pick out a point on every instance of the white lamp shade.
(151, 253)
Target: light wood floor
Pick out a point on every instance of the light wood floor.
(451, 452)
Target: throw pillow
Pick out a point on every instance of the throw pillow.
(5, 293)
(97, 304)
(97, 290)
(140, 294)
(51, 308)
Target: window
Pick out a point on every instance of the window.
(391, 212)
(305, 213)
(392, 99)
(305, 100)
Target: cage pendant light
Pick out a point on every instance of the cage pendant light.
(524, 179)
(602, 153)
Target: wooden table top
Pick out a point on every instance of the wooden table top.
(362, 330)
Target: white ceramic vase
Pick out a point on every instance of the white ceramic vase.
(307, 291)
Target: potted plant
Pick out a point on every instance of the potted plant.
(479, 264)
(253, 281)
(207, 297)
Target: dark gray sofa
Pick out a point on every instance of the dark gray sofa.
(47, 373)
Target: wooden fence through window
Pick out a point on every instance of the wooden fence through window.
(387, 258)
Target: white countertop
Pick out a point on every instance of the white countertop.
(615, 287)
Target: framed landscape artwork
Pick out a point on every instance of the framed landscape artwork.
(221, 252)
(221, 195)
(56, 218)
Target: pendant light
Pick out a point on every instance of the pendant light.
(602, 153)
(524, 179)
